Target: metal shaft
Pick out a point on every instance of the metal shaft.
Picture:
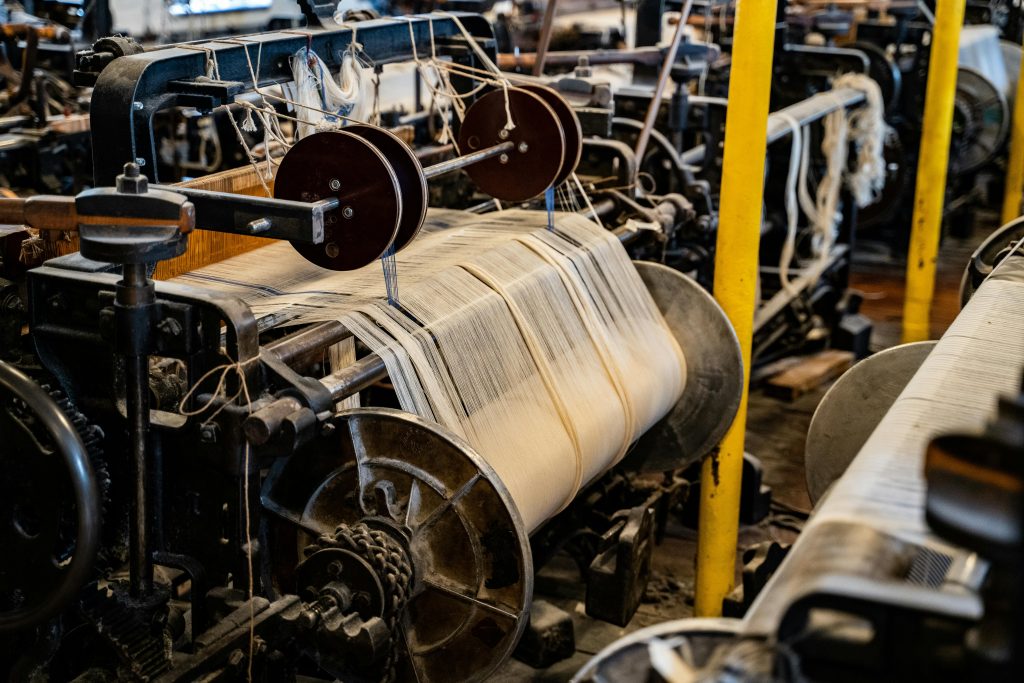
(546, 29)
(659, 90)
(467, 160)
(135, 294)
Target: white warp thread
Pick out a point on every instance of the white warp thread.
(542, 348)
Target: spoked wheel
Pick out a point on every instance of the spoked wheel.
(472, 572)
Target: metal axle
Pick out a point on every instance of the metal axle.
(467, 160)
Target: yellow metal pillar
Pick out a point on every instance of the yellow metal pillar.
(930, 191)
(739, 233)
(1015, 166)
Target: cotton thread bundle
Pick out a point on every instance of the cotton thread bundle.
(316, 89)
(542, 348)
(866, 130)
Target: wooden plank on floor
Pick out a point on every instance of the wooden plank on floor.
(809, 374)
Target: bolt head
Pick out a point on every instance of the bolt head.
(332, 250)
(523, 148)
(335, 184)
(503, 134)
(348, 212)
(503, 158)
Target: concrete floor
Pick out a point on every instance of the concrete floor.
(776, 431)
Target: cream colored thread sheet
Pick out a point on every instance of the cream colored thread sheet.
(543, 349)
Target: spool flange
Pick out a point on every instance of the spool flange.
(469, 548)
(539, 151)
(337, 164)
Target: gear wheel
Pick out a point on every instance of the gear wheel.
(389, 559)
(92, 438)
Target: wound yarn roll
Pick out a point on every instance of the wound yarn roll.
(542, 348)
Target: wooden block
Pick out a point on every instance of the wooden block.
(809, 374)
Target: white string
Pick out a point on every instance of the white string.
(220, 393)
(792, 211)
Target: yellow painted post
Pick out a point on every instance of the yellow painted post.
(739, 232)
(930, 191)
(1015, 165)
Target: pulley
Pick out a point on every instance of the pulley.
(380, 185)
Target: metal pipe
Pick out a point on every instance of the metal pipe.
(308, 340)
(352, 379)
(659, 90)
(135, 291)
(1015, 164)
(930, 191)
(805, 111)
(466, 160)
(736, 270)
(546, 29)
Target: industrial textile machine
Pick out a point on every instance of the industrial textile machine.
(275, 536)
(909, 566)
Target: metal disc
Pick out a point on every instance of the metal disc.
(473, 571)
(345, 166)
(852, 408)
(695, 641)
(987, 256)
(535, 161)
(570, 127)
(981, 119)
(409, 172)
(714, 374)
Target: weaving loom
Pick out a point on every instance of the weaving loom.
(540, 349)
(528, 354)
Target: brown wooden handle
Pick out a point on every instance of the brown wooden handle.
(43, 212)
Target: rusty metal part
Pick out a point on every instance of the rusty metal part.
(536, 159)
(412, 184)
(346, 167)
(473, 578)
(570, 128)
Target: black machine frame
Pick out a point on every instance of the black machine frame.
(131, 89)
